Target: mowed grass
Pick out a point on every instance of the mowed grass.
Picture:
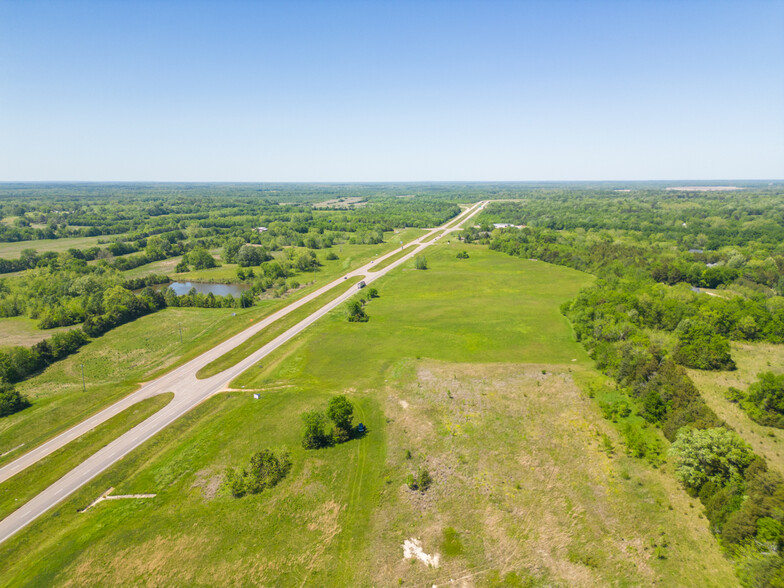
(29, 482)
(455, 378)
(20, 330)
(751, 359)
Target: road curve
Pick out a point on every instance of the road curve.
(188, 392)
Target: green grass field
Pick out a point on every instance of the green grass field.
(469, 367)
(13, 250)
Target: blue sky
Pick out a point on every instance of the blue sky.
(391, 91)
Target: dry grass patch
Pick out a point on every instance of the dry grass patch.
(521, 475)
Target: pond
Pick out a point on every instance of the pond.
(181, 288)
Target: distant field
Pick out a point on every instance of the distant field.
(751, 358)
(469, 367)
(350, 256)
(13, 250)
(20, 330)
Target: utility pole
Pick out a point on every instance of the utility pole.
(180, 326)
(84, 388)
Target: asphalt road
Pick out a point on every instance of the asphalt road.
(188, 391)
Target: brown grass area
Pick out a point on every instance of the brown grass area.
(520, 474)
(751, 358)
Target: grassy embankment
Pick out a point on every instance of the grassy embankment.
(469, 367)
(27, 483)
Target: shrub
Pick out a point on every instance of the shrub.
(266, 469)
(421, 262)
(11, 400)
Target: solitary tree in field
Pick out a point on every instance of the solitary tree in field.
(421, 262)
(356, 314)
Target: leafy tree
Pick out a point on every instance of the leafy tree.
(356, 312)
(249, 255)
(314, 434)
(710, 455)
(230, 249)
(372, 293)
(421, 262)
(341, 412)
(699, 346)
(182, 266)
(200, 259)
(765, 400)
(462, 255)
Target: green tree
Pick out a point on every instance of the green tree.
(421, 262)
(200, 258)
(356, 312)
(341, 412)
(314, 434)
(249, 255)
(230, 249)
(715, 455)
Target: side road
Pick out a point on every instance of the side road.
(188, 391)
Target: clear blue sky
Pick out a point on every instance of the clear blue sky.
(391, 91)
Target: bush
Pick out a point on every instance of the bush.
(421, 262)
(331, 256)
(11, 400)
(700, 347)
(462, 255)
(266, 470)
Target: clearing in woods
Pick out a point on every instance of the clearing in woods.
(465, 369)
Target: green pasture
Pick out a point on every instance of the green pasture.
(466, 369)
